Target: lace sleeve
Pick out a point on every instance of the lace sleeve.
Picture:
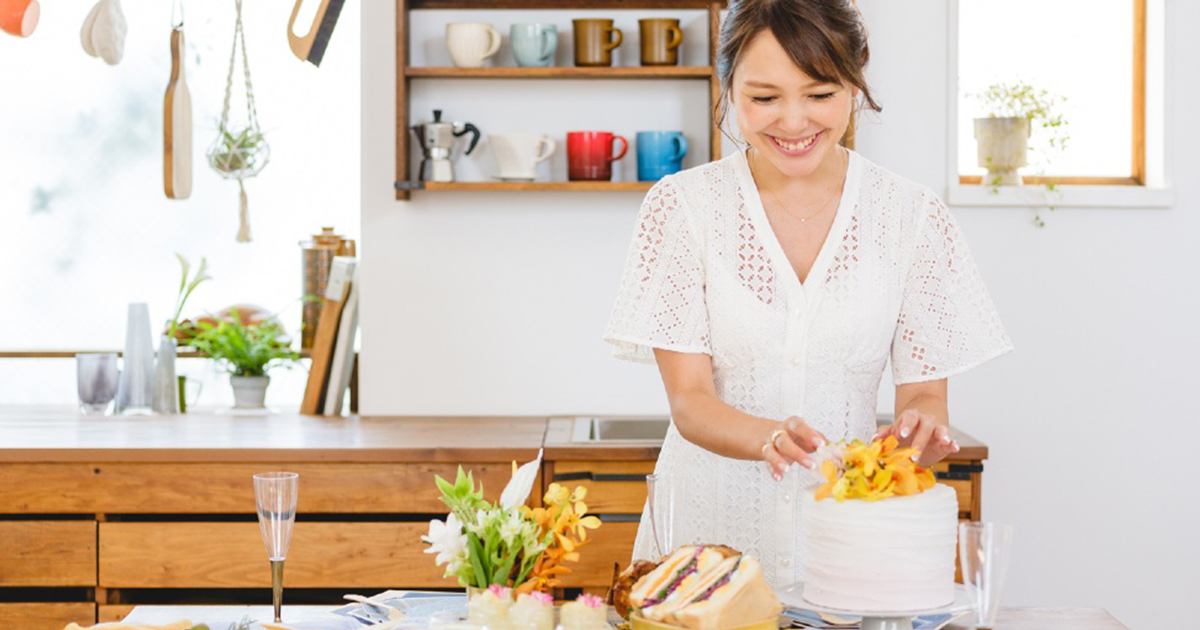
(947, 322)
(660, 303)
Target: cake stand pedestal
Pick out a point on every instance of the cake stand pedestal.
(876, 620)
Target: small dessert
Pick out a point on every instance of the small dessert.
(588, 612)
(532, 611)
(490, 608)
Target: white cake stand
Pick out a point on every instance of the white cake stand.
(876, 620)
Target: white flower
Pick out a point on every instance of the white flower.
(512, 528)
(448, 541)
(521, 484)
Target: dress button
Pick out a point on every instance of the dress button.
(795, 312)
(786, 562)
(795, 361)
(787, 498)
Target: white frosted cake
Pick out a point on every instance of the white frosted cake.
(893, 554)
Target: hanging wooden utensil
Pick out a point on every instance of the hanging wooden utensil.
(177, 119)
(311, 46)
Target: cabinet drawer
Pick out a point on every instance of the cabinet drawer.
(46, 615)
(193, 488)
(47, 553)
(232, 555)
(613, 487)
(612, 543)
(964, 488)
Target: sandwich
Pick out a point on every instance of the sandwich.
(690, 590)
(735, 594)
(624, 581)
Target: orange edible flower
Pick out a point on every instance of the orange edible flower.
(873, 471)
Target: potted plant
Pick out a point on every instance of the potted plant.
(1003, 135)
(248, 352)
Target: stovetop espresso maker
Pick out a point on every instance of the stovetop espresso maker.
(437, 141)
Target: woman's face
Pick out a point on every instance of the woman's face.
(791, 119)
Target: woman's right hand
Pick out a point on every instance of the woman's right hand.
(792, 441)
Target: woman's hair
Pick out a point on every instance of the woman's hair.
(825, 38)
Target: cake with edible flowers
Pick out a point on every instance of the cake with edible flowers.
(880, 533)
(532, 611)
(490, 608)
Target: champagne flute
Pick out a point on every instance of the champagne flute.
(664, 498)
(275, 494)
(983, 550)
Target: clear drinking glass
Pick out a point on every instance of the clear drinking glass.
(275, 493)
(664, 500)
(97, 377)
(983, 550)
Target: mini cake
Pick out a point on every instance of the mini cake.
(880, 534)
(490, 608)
(533, 611)
(588, 612)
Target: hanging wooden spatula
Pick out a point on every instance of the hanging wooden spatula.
(177, 123)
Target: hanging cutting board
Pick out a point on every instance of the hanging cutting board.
(177, 126)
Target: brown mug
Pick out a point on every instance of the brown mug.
(661, 38)
(595, 40)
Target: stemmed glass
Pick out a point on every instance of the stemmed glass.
(983, 550)
(275, 494)
(664, 502)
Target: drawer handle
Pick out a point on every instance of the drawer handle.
(599, 477)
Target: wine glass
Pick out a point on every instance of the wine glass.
(275, 494)
(983, 550)
(664, 502)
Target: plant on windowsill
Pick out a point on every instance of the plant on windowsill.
(1013, 109)
(248, 352)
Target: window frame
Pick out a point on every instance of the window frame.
(1082, 191)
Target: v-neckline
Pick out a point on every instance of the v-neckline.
(758, 214)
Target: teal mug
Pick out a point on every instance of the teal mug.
(534, 44)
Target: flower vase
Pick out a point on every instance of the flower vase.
(166, 386)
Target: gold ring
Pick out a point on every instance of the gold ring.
(775, 436)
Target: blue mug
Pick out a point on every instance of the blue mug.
(533, 45)
(660, 153)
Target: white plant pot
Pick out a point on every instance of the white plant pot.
(1003, 145)
(249, 392)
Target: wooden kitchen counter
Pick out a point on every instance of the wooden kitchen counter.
(100, 514)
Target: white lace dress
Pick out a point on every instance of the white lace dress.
(706, 274)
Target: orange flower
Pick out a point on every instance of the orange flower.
(873, 471)
(565, 522)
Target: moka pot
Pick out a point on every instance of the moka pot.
(437, 141)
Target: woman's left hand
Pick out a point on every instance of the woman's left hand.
(922, 432)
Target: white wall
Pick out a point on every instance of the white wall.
(489, 303)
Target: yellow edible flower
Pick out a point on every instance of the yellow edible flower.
(873, 471)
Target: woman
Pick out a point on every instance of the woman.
(770, 287)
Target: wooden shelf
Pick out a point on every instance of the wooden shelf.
(526, 186)
(567, 72)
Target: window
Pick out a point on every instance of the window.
(88, 228)
(1092, 52)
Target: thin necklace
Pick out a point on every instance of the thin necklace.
(825, 206)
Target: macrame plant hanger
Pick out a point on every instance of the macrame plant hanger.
(242, 152)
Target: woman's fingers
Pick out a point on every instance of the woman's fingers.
(939, 446)
(788, 447)
(923, 433)
(905, 425)
(776, 464)
(805, 437)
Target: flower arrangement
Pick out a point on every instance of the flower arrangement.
(872, 471)
(506, 543)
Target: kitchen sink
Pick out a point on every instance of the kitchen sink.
(619, 429)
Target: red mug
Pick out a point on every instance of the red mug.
(590, 155)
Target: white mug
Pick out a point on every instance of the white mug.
(518, 154)
(471, 43)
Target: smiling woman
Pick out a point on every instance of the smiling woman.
(770, 287)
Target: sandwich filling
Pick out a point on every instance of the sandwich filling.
(688, 569)
(725, 579)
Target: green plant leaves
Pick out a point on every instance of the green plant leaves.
(246, 350)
